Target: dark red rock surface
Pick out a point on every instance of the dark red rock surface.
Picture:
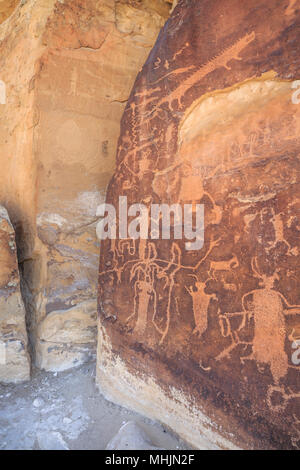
(211, 120)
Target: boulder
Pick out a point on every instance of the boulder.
(206, 338)
(14, 357)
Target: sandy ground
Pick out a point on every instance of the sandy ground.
(67, 410)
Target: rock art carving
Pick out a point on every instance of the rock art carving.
(216, 322)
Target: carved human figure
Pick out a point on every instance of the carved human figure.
(269, 307)
(145, 273)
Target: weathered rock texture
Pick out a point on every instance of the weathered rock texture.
(68, 68)
(205, 340)
(131, 437)
(6, 8)
(14, 358)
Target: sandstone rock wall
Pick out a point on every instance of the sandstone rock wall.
(6, 8)
(14, 357)
(68, 68)
(207, 340)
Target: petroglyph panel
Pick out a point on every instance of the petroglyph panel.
(211, 121)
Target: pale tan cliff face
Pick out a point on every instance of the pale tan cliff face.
(68, 68)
